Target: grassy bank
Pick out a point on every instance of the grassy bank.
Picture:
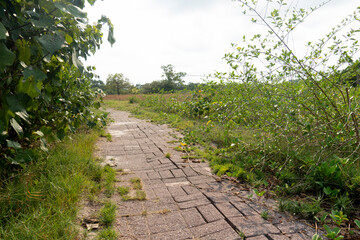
(41, 201)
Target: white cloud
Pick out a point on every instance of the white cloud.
(193, 35)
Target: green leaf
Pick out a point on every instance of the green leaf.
(357, 222)
(70, 9)
(68, 39)
(97, 105)
(3, 32)
(34, 72)
(7, 57)
(12, 144)
(43, 22)
(77, 63)
(18, 129)
(23, 50)
(52, 42)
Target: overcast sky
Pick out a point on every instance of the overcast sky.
(192, 35)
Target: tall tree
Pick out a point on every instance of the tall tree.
(172, 80)
(117, 84)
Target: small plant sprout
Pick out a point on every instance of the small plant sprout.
(265, 214)
(322, 219)
(338, 217)
(333, 233)
(168, 155)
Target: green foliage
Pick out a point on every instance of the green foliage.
(117, 84)
(171, 81)
(107, 234)
(123, 190)
(41, 201)
(45, 90)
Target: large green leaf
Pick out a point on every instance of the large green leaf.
(6, 57)
(13, 144)
(70, 9)
(16, 126)
(43, 22)
(16, 106)
(34, 72)
(52, 42)
(3, 32)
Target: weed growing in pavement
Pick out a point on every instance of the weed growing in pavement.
(107, 214)
(265, 214)
(136, 183)
(107, 234)
(168, 155)
(123, 190)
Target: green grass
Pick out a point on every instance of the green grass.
(123, 190)
(40, 201)
(108, 214)
(136, 182)
(107, 234)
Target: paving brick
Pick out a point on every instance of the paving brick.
(138, 225)
(250, 220)
(185, 198)
(192, 217)
(189, 172)
(193, 203)
(278, 237)
(177, 191)
(200, 179)
(291, 227)
(178, 173)
(217, 197)
(228, 209)
(257, 229)
(261, 237)
(153, 175)
(156, 224)
(210, 228)
(171, 235)
(210, 213)
(191, 189)
(174, 220)
(166, 174)
(227, 233)
(244, 208)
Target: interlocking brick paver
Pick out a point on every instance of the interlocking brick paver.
(192, 217)
(178, 173)
(210, 228)
(166, 174)
(193, 203)
(184, 200)
(244, 208)
(228, 209)
(210, 213)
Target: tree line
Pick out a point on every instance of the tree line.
(171, 81)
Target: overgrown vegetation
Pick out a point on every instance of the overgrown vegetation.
(291, 125)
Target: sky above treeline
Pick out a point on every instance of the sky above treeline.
(192, 35)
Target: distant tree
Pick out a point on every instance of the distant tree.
(172, 80)
(117, 84)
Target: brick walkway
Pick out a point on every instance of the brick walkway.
(184, 200)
